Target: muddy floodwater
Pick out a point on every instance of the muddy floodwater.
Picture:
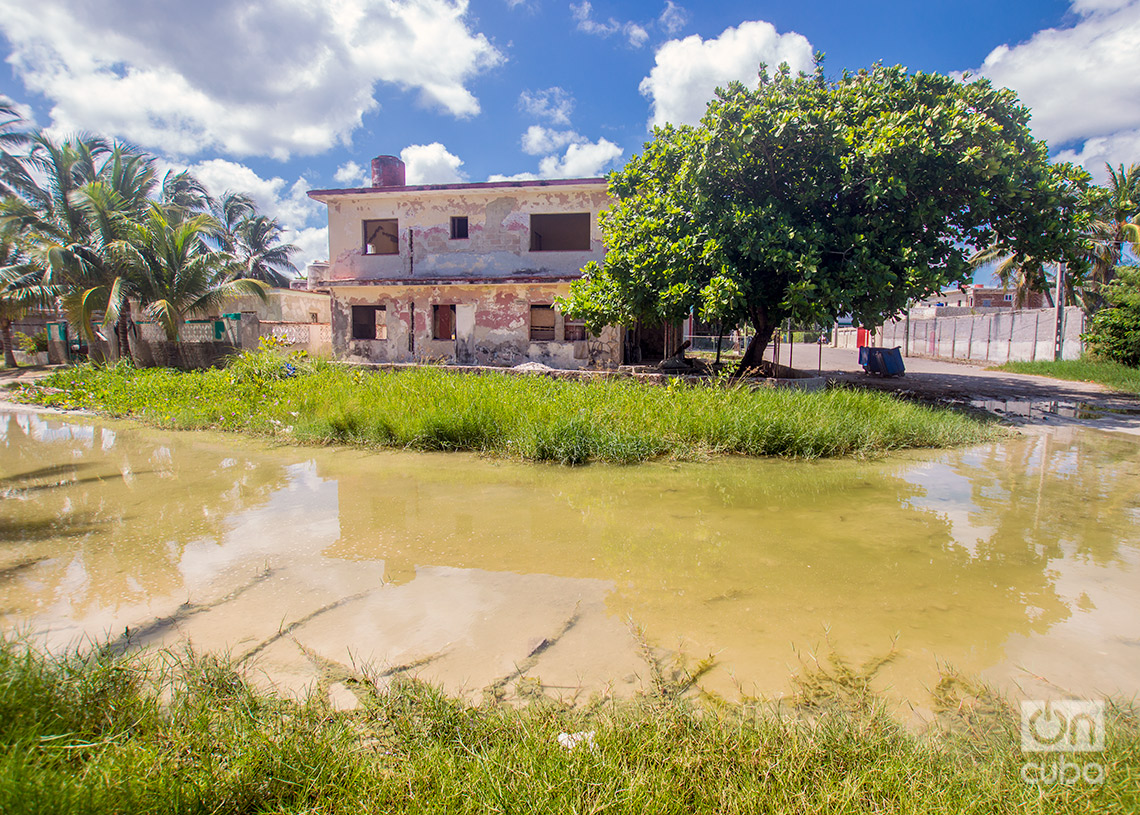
(1018, 562)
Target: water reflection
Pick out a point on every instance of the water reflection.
(1022, 554)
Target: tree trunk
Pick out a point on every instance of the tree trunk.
(6, 332)
(122, 331)
(754, 354)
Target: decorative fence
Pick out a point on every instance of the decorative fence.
(202, 343)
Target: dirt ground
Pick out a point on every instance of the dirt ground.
(1019, 398)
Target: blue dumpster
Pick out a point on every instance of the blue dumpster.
(882, 361)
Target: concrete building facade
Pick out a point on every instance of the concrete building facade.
(464, 273)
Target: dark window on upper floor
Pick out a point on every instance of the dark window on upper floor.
(459, 227)
(382, 237)
(561, 232)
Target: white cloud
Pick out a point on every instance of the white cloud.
(1119, 148)
(302, 218)
(1093, 6)
(582, 160)
(353, 174)
(583, 13)
(673, 18)
(687, 71)
(1080, 82)
(541, 141)
(553, 104)
(431, 164)
(272, 78)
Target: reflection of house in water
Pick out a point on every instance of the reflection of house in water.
(462, 272)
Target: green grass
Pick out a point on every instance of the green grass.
(1109, 374)
(94, 732)
(528, 417)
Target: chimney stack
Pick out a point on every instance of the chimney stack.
(387, 171)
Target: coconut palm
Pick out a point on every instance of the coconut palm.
(259, 253)
(92, 191)
(1117, 222)
(172, 272)
(14, 139)
(184, 195)
(21, 289)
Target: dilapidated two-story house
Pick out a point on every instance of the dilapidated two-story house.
(464, 273)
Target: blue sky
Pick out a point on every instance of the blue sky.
(282, 96)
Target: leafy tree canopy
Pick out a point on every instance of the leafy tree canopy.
(810, 199)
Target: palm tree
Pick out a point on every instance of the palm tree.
(14, 177)
(91, 192)
(259, 253)
(184, 195)
(172, 271)
(1117, 222)
(229, 211)
(21, 290)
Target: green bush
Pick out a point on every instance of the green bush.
(1114, 333)
(36, 343)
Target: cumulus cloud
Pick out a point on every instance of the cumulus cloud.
(302, 219)
(687, 71)
(581, 160)
(583, 14)
(1081, 82)
(271, 78)
(353, 174)
(540, 141)
(553, 104)
(431, 164)
(1094, 154)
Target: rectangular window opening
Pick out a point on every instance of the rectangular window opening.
(369, 323)
(542, 323)
(382, 237)
(562, 232)
(575, 330)
(459, 227)
(443, 322)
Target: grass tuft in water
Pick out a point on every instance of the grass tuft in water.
(164, 732)
(535, 418)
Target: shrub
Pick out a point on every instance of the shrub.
(1114, 333)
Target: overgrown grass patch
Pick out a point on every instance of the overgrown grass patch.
(97, 732)
(1110, 374)
(530, 417)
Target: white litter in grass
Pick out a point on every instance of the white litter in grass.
(572, 740)
(532, 366)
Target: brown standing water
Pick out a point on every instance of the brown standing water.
(1018, 562)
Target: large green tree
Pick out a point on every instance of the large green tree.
(810, 199)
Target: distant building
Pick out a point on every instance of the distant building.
(464, 273)
(979, 296)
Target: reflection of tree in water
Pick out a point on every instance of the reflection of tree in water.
(761, 549)
(108, 512)
(1056, 494)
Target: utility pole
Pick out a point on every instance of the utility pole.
(1059, 337)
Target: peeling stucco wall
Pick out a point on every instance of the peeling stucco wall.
(492, 326)
(499, 231)
(279, 305)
